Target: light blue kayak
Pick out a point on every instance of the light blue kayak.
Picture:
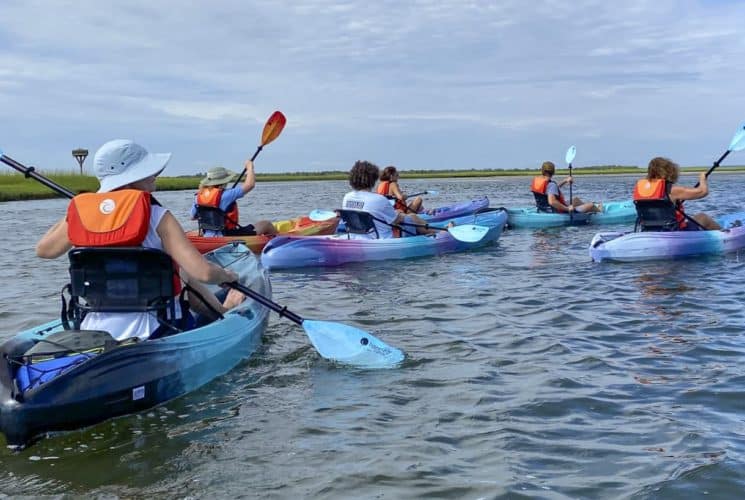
(86, 386)
(657, 245)
(614, 212)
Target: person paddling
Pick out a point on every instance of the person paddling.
(124, 214)
(389, 188)
(215, 204)
(659, 202)
(548, 197)
(362, 179)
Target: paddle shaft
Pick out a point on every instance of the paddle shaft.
(31, 172)
(716, 164)
(571, 197)
(258, 150)
(281, 310)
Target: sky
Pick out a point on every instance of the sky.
(420, 84)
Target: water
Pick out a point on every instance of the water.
(531, 371)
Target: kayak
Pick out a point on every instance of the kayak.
(303, 226)
(614, 212)
(53, 379)
(655, 245)
(294, 252)
(445, 212)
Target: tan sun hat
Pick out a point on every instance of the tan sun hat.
(216, 176)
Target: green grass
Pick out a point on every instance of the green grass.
(14, 186)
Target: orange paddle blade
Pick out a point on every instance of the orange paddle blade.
(273, 127)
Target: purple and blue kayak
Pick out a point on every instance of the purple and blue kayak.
(657, 245)
(446, 212)
(285, 252)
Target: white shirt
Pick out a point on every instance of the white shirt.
(135, 324)
(375, 204)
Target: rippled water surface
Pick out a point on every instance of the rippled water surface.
(531, 371)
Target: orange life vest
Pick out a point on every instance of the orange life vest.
(210, 196)
(658, 190)
(115, 219)
(384, 188)
(539, 186)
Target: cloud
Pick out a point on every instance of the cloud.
(356, 76)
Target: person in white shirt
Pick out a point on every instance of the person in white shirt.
(362, 179)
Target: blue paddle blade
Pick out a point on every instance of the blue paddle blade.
(737, 143)
(351, 346)
(432, 192)
(470, 233)
(571, 153)
(319, 215)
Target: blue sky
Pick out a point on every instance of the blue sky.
(419, 84)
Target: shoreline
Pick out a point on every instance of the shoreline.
(15, 187)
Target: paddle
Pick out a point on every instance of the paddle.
(30, 172)
(569, 158)
(469, 233)
(272, 129)
(736, 144)
(334, 341)
(430, 191)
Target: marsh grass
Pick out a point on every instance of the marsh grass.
(15, 186)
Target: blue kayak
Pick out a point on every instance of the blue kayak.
(662, 245)
(54, 379)
(285, 252)
(614, 212)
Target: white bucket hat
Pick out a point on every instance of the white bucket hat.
(121, 162)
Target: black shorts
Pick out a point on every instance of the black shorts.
(247, 230)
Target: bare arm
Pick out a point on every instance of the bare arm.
(178, 246)
(55, 242)
(250, 181)
(556, 204)
(682, 193)
(394, 190)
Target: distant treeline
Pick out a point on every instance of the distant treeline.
(14, 186)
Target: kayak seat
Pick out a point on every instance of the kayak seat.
(358, 222)
(210, 219)
(655, 215)
(119, 279)
(541, 203)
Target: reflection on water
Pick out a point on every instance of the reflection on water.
(531, 371)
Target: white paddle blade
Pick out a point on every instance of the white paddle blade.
(351, 346)
(737, 143)
(571, 153)
(470, 233)
(321, 215)
(429, 191)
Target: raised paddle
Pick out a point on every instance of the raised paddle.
(334, 341)
(469, 233)
(272, 129)
(736, 144)
(569, 158)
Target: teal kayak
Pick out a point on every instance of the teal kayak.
(614, 212)
(54, 379)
